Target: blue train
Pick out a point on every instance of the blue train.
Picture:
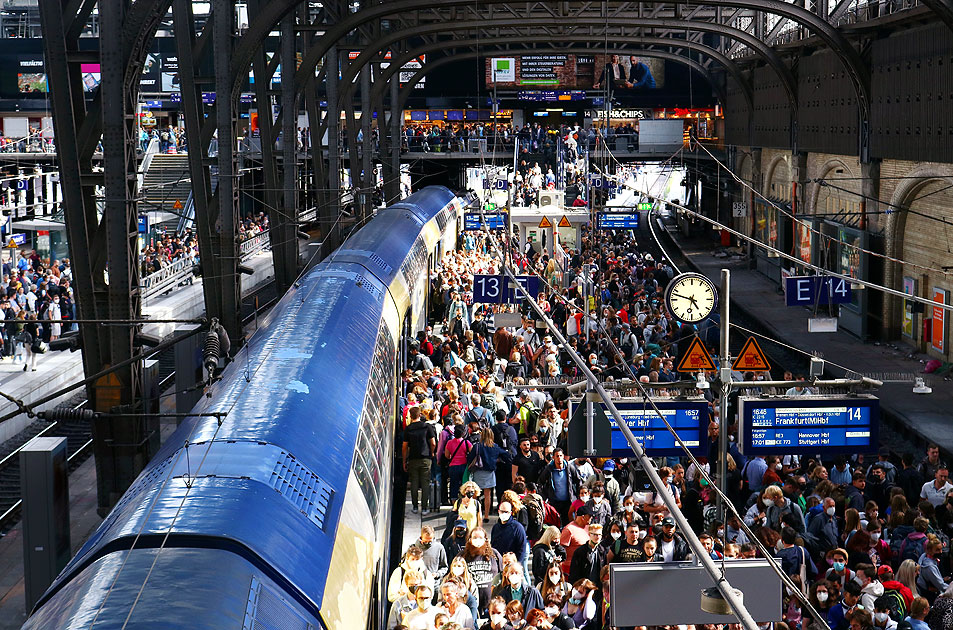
(278, 517)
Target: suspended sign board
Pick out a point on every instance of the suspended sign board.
(500, 289)
(494, 221)
(809, 425)
(618, 220)
(811, 290)
(689, 418)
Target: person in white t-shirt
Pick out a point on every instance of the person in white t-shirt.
(935, 491)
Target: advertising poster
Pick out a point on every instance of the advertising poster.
(170, 74)
(91, 76)
(150, 80)
(31, 76)
(910, 288)
(805, 240)
(938, 331)
(623, 74)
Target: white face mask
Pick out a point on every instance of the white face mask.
(551, 611)
(423, 604)
(769, 503)
(630, 508)
(616, 535)
(830, 511)
(477, 542)
(457, 570)
(720, 533)
(822, 596)
(504, 517)
(576, 594)
(597, 500)
(515, 579)
(584, 498)
(554, 578)
(880, 617)
(875, 536)
(642, 534)
(497, 619)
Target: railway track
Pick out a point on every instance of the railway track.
(78, 447)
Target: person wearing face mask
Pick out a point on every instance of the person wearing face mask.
(508, 535)
(554, 614)
(421, 617)
(413, 560)
(406, 602)
(777, 506)
(514, 588)
(616, 534)
(628, 514)
(870, 586)
(468, 588)
(588, 560)
(820, 597)
(455, 539)
(824, 526)
(879, 551)
(435, 556)
(581, 606)
(545, 552)
(484, 563)
(882, 620)
(839, 572)
(497, 617)
(553, 583)
(795, 560)
(601, 509)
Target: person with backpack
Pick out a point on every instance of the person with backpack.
(477, 412)
(528, 413)
(897, 591)
(914, 544)
(883, 620)
(839, 572)
(871, 588)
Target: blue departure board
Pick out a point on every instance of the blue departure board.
(494, 221)
(689, 418)
(618, 220)
(797, 425)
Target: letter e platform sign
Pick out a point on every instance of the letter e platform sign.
(696, 359)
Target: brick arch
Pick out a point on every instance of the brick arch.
(772, 170)
(821, 173)
(894, 230)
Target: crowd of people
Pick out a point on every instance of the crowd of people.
(171, 139)
(518, 534)
(530, 137)
(33, 289)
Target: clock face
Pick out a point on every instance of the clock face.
(691, 297)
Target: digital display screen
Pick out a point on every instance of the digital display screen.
(618, 220)
(689, 418)
(494, 221)
(794, 425)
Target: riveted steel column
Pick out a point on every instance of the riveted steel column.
(396, 139)
(367, 149)
(225, 226)
(331, 214)
(285, 250)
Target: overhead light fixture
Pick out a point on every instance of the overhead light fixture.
(702, 382)
(715, 604)
(920, 387)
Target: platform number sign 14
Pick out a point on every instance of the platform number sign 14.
(811, 290)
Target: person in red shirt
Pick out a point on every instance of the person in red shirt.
(889, 583)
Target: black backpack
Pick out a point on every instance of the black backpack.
(893, 601)
(536, 514)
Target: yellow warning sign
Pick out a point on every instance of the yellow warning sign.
(696, 359)
(564, 222)
(12, 243)
(177, 205)
(545, 223)
(751, 358)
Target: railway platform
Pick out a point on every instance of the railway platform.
(919, 418)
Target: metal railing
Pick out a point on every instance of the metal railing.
(167, 278)
(259, 242)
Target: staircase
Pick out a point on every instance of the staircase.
(165, 182)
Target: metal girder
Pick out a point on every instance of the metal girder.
(225, 220)
(79, 207)
(189, 51)
(284, 222)
(770, 56)
(943, 10)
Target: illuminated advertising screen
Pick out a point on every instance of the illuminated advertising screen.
(622, 73)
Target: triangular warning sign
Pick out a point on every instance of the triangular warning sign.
(564, 222)
(696, 359)
(177, 205)
(751, 358)
(12, 243)
(545, 223)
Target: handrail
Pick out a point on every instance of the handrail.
(188, 214)
(252, 246)
(167, 278)
(151, 150)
